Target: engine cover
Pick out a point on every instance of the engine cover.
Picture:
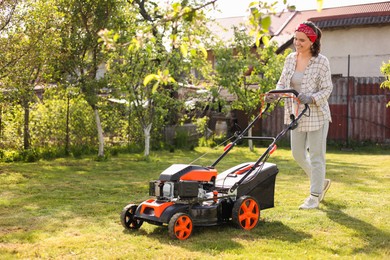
(187, 172)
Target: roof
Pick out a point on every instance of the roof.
(283, 24)
(342, 21)
(223, 27)
(354, 15)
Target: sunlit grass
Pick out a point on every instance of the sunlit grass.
(69, 209)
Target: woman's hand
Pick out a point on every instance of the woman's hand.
(269, 98)
(305, 99)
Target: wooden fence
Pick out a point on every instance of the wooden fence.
(359, 112)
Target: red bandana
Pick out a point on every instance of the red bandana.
(308, 31)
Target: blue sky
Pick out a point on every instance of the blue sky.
(231, 8)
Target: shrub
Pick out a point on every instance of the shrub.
(11, 156)
(181, 138)
(29, 155)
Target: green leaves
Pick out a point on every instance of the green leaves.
(385, 70)
(247, 73)
(260, 20)
(184, 50)
(266, 22)
(149, 78)
(161, 78)
(319, 5)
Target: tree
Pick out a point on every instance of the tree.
(81, 55)
(248, 72)
(157, 50)
(7, 41)
(31, 40)
(128, 68)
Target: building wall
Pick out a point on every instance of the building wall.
(368, 48)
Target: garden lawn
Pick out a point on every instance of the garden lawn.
(69, 209)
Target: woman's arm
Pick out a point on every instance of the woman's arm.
(326, 85)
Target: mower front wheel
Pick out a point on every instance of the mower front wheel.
(246, 212)
(127, 217)
(180, 226)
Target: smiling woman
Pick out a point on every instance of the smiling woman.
(308, 72)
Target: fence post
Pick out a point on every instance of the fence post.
(348, 115)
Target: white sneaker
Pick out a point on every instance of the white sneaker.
(326, 188)
(311, 202)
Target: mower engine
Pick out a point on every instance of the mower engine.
(182, 182)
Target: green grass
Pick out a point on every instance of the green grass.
(69, 209)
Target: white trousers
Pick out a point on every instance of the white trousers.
(308, 150)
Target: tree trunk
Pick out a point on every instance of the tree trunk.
(1, 121)
(26, 128)
(67, 137)
(250, 142)
(100, 133)
(147, 139)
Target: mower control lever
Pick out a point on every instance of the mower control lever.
(234, 187)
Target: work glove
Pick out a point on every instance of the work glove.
(269, 98)
(305, 99)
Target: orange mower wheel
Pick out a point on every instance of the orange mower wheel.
(180, 226)
(246, 213)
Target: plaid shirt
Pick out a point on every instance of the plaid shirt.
(316, 82)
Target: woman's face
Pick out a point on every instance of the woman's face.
(302, 43)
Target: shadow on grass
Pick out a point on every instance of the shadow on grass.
(352, 173)
(226, 237)
(278, 231)
(374, 238)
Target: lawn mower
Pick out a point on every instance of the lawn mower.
(186, 195)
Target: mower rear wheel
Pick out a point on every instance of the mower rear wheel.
(127, 217)
(246, 212)
(180, 226)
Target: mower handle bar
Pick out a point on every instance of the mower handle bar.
(284, 91)
(241, 135)
(263, 158)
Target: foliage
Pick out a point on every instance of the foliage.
(243, 68)
(260, 18)
(202, 128)
(385, 69)
(206, 142)
(153, 52)
(82, 57)
(181, 138)
(11, 127)
(201, 125)
(10, 52)
(31, 43)
(48, 127)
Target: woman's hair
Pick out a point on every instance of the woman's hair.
(315, 49)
